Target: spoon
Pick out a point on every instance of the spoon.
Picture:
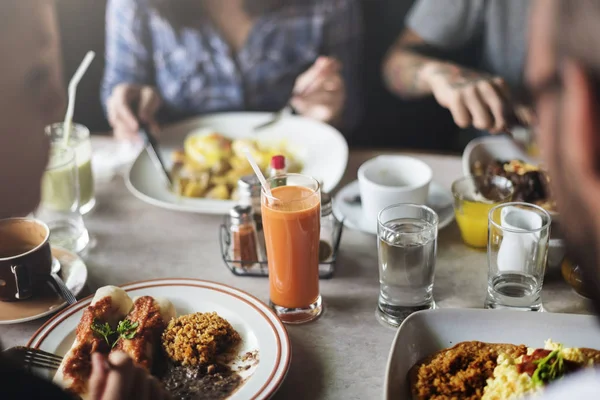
(60, 286)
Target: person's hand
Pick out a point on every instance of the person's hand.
(122, 380)
(122, 115)
(474, 99)
(319, 92)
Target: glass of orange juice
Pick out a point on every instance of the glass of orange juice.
(474, 197)
(292, 223)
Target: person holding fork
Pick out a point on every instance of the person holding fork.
(171, 59)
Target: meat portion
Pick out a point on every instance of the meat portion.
(147, 321)
(460, 372)
(110, 304)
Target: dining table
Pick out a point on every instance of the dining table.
(341, 355)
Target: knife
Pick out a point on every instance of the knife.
(153, 151)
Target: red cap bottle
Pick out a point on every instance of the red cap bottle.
(278, 163)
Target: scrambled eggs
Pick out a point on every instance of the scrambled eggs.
(210, 164)
(509, 384)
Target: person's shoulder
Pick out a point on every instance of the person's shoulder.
(319, 7)
(18, 384)
(136, 4)
(336, 5)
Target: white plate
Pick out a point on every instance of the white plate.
(73, 272)
(439, 199)
(322, 150)
(426, 332)
(258, 326)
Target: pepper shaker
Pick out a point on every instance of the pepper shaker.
(244, 241)
(329, 229)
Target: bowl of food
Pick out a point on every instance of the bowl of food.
(491, 156)
(206, 159)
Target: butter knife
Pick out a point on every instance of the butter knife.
(152, 148)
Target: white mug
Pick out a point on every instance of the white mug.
(388, 180)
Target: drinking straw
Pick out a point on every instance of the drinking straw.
(87, 60)
(258, 172)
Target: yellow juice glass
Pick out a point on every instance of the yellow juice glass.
(474, 197)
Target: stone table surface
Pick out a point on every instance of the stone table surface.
(340, 356)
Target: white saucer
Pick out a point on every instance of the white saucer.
(73, 272)
(440, 200)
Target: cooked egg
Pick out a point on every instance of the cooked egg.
(508, 384)
(207, 147)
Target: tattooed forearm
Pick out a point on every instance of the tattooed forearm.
(403, 74)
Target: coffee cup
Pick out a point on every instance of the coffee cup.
(25, 257)
(388, 180)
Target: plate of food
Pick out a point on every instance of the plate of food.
(206, 160)
(487, 354)
(197, 337)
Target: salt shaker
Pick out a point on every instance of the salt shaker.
(329, 229)
(244, 241)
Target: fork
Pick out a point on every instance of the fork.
(288, 109)
(29, 357)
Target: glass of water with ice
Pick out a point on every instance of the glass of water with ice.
(407, 246)
(518, 240)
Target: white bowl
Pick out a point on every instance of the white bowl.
(487, 149)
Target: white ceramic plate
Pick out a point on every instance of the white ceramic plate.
(321, 148)
(439, 199)
(258, 326)
(73, 272)
(426, 332)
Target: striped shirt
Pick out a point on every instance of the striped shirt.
(196, 72)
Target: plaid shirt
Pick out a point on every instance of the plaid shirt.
(194, 69)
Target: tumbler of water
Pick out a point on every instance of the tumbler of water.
(59, 207)
(407, 246)
(517, 254)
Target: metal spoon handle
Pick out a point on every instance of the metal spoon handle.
(63, 290)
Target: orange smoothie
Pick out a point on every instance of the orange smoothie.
(292, 228)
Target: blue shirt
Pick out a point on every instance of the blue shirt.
(196, 72)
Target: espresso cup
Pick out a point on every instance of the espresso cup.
(25, 257)
(388, 180)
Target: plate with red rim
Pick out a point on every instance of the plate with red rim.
(261, 330)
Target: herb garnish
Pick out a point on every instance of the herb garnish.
(549, 368)
(125, 330)
(104, 331)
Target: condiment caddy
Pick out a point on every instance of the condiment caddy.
(242, 239)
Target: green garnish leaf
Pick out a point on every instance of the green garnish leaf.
(126, 330)
(104, 331)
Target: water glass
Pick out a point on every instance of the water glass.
(59, 207)
(79, 140)
(474, 197)
(291, 222)
(519, 234)
(407, 247)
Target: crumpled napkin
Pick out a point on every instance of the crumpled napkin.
(111, 157)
